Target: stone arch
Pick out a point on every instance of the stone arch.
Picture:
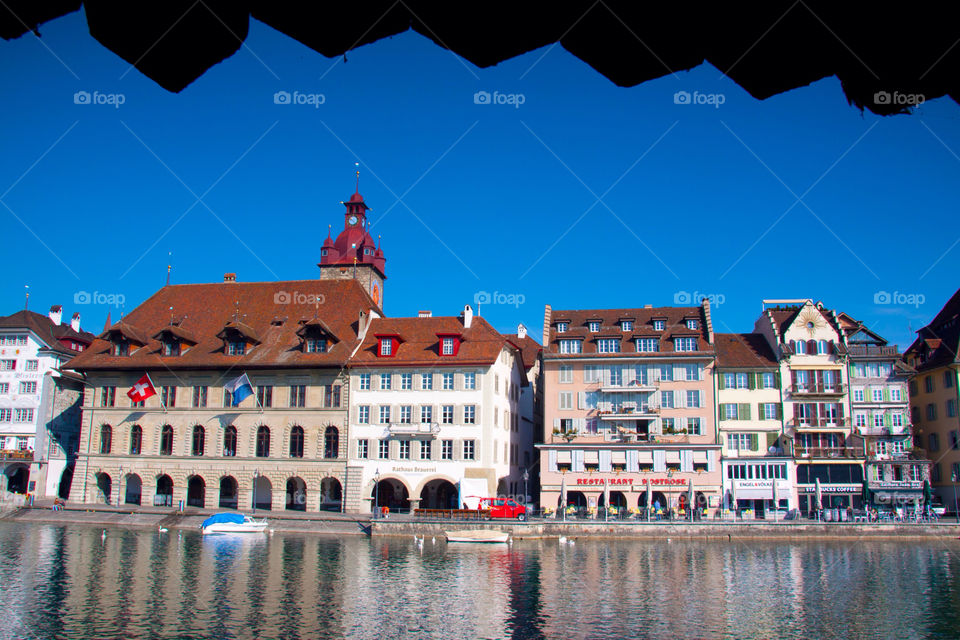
(390, 491)
(134, 489)
(296, 499)
(438, 493)
(261, 494)
(104, 487)
(18, 477)
(163, 497)
(331, 494)
(438, 476)
(229, 492)
(196, 491)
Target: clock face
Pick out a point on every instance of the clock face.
(353, 220)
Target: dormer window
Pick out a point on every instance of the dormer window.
(684, 344)
(659, 325)
(236, 347)
(594, 326)
(447, 347)
(562, 327)
(121, 348)
(571, 346)
(386, 346)
(323, 252)
(693, 323)
(608, 345)
(171, 348)
(626, 325)
(316, 345)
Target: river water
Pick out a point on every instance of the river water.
(87, 582)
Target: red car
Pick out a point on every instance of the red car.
(503, 508)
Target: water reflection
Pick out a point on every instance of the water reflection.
(77, 583)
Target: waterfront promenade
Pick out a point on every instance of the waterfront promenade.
(340, 524)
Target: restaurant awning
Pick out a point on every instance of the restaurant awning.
(563, 457)
(672, 456)
(645, 457)
(618, 457)
(591, 457)
(700, 456)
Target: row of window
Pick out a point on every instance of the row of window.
(748, 380)
(11, 365)
(296, 397)
(629, 402)
(27, 387)
(13, 340)
(639, 374)
(929, 384)
(877, 394)
(931, 410)
(425, 381)
(811, 347)
(878, 419)
(743, 411)
(871, 369)
(16, 415)
(691, 425)
(198, 439)
(934, 440)
(594, 326)
(426, 414)
(756, 471)
(613, 345)
(426, 449)
(632, 461)
(21, 443)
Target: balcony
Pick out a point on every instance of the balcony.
(902, 430)
(825, 452)
(428, 429)
(631, 387)
(868, 350)
(818, 423)
(627, 412)
(817, 389)
(16, 455)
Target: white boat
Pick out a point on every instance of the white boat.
(477, 535)
(232, 523)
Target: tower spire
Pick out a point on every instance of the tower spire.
(357, 165)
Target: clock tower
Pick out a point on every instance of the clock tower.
(355, 254)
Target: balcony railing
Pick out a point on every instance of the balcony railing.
(817, 389)
(636, 385)
(872, 350)
(24, 455)
(884, 431)
(825, 452)
(629, 413)
(410, 429)
(815, 423)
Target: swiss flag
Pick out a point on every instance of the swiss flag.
(142, 390)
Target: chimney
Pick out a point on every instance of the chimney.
(75, 322)
(467, 316)
(424, 314)
(56, 314)
(229, 277)
(547, 317)
(648, 306)
(521, 331)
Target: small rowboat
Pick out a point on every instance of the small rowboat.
(477, 535)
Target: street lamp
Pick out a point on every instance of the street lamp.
(119, 486)
(376, 493)
(256, 476)
(526, 496)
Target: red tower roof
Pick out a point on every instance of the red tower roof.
(354, 245)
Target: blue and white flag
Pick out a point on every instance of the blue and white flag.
(239, 388)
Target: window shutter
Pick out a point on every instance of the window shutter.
(581, 400)
(793, 378)
(577, 462)
(679, 399)
(886, 395)
(743, 411)
(556, 423)
(605, 464)
(886, 419)
(752, 380)
(830, 347)
(776, 377)
(754, 442)
(840, 410)
(552, 460)
(721, 381)
(811, 346)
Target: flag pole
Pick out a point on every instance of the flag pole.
(256, 393)
(159, 395)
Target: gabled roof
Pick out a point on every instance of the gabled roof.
(744, 350)
(938, 343)
(43, 327)
(783, 317)
(177, 332)
(255, 310)
(481, 344)
(127, 331)
(529, 348)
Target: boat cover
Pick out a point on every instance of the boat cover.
(223, 517)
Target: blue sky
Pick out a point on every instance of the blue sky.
(586, 195)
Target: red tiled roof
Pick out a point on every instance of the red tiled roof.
(51, 334)
(264, 312)
(420, 344)
(742, 350)
(529, 348)
(673, 316)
